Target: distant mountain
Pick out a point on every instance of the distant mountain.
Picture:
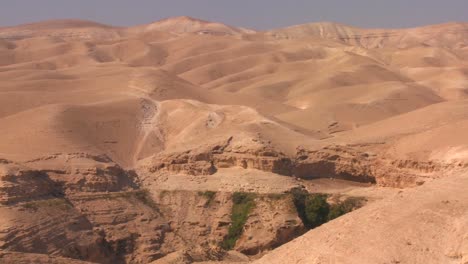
(450, 34)
(184, 24)
(441, 35)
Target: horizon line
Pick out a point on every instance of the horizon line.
(226, 24)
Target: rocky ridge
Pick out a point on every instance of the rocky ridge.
(335, 161)
(134, 225)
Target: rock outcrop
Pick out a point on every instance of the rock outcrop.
(347, 162)
(206, 160)
(81, 172)
(88, 208)
(20, 258)
(334, 161)
(19, 183)
(272, 223)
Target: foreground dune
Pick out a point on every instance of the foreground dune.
(423, 225)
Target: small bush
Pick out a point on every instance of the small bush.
(336, 211)
(209, 195)
(316, 210)
(299, 198)
(243, 203)
(348, 205)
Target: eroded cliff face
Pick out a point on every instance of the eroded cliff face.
(207, 159)
(351, 163)
(335, 161)
(88, 208)
(93, 210)
(273, 222)
(16, 257)
(200, 222)
(38, 218)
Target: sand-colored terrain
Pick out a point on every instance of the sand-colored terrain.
(128, 145)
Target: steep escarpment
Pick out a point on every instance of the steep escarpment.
(15, 257)
(207, 160)
(201, 222)
(82, 172)
(351, 163)
(63, 216)
(21, 184)
(47, 211)
(142, 222)
(334, 161)
(46, 222)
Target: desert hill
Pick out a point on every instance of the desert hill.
(442, 35)
(148, 140)
(184, 24)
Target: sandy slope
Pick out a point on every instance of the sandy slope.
(427, 224)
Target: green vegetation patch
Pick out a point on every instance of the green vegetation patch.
(342, 208)
(243, 203)
(314, 209)
(209, 195)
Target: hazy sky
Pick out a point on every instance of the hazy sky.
(257, 14)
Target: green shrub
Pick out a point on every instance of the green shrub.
(243, 203)
(209, 195)
(336, 211)
(348, 205)
(299, 199)
(316, 210)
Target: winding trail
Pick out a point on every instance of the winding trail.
(150, 109)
